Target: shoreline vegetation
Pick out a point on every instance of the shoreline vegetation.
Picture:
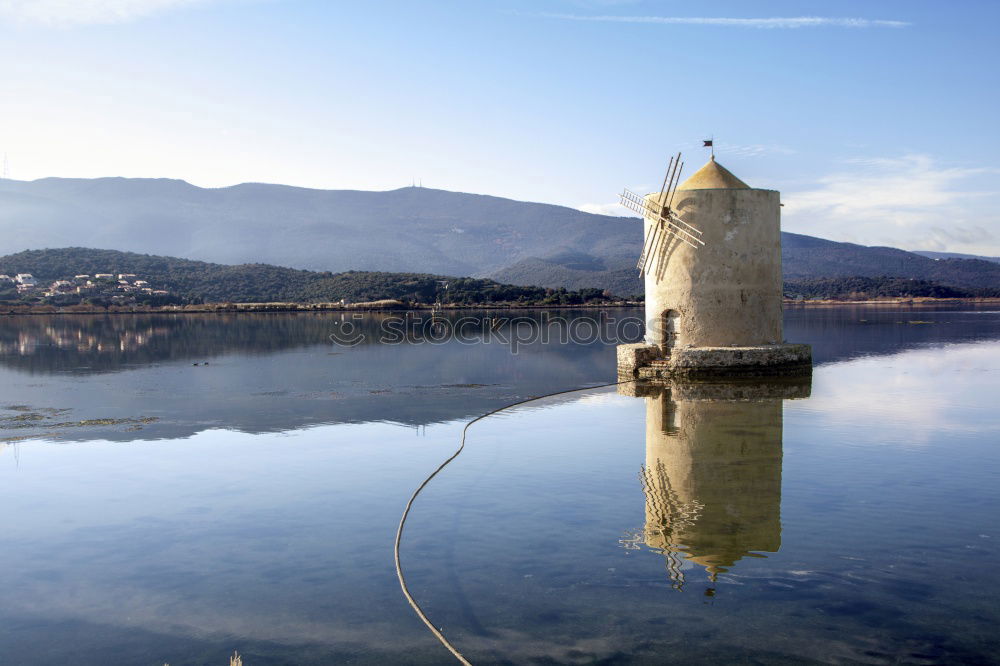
(88, 281)
(390, 305)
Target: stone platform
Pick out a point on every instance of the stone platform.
(725, 389)
(648, 361)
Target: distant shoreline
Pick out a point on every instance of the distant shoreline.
(891, 301)
(396, 306)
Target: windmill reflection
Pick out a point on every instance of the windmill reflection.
(712, 477)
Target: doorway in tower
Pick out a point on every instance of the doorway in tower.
(669, 322)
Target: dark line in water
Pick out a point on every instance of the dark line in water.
(406, 512)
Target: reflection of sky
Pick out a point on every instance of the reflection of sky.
(176, 549)
(910, 397)
(221, 533)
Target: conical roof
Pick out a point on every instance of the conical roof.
(713, 176)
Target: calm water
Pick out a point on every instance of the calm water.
(251, 502)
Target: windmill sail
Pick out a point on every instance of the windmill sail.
(664, 221)
(665, 224)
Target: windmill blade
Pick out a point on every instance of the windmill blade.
(666, 176)
(646, 246)
(638, 203)
(677, 181)
(681, 223)
(668, 216)
(669, 219)
(665, 225)
(669, 180)
(660, 209)
(634, 202)
(648, 208)
(656, 233)
(654, 238)
(682, 235)
(662, 218)
(665, 235)
(681, 230)
(676, 163)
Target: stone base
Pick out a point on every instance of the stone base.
(631, 357)
(647, 362)
(740, 388)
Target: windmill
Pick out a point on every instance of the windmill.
(665, 224)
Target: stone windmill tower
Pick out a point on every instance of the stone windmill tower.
(712, 267)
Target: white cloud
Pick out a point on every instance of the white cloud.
(615, 209)
(907, 202)
(766, 23)
(752, 149)
(78, 12)
(897, 399)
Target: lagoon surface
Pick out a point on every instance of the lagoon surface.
(176, 487)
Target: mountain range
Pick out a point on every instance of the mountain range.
(412, 229)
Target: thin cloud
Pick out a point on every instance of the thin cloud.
(724, 148)
(908, 202)
(84, 12)
(614, 209)
(760, 23)
(899, 408)
(752, 150)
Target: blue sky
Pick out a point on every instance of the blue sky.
(876, 120)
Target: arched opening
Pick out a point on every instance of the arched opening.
(669, 322)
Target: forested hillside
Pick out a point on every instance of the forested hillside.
(854, 288)
(197, 281)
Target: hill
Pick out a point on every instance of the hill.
(806, 257)
(410, 230)
(865, 288)
(198, 281)
(954, 255)
(407, 230)
(566, 270)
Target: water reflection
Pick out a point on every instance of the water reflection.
(88, 344)
(34, 336)
(280, 546)
(843, 332)
(169, 376)
(712, 476)
(145, 376)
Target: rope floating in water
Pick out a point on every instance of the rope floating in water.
(406, 512)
